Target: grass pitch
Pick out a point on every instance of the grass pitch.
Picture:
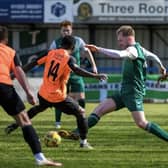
(117, 142)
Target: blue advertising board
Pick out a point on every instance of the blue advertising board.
(21, 11)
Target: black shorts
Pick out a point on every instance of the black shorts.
(68, 106)
(10, 100)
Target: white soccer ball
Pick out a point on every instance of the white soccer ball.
(52, 139)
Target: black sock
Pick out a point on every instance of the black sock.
(58, 114)
(82, 126)
(31, 138)
(82, 102)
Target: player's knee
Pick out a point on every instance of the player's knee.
(82, 111)
(23, 119)
(141, 124)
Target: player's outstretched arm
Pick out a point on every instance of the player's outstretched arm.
(111, 52)
(92, 47)
(35, 62)
(89, 56)
(80, 71)
(29, 66)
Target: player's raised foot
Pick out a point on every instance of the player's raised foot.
(47, 162)
(86, 146)
(68, 135)
(74, 135)
(63, 133)
(10, 128)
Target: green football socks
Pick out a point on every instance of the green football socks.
(92, 121)
(157, 130)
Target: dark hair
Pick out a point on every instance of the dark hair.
(68, 42)
(3, 33)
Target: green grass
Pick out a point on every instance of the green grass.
(117, 142)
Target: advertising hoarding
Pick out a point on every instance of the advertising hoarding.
(119, 11)
(21, 11)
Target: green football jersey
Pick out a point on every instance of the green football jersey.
(134, 74)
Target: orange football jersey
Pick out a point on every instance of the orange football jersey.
(7, 55)
(56, 75)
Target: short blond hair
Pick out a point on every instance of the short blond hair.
(65, 23)
(126, 30)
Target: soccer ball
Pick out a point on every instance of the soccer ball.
(52, 139)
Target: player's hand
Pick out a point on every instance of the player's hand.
(101, 77)
(92, 48)
(163, 70)
(162, 78)
(31, 99)
(163, 74)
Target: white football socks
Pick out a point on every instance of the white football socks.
(83, 141)
(39, 156)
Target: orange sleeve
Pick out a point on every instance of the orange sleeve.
(42, 60)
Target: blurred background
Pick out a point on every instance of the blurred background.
(34, 24)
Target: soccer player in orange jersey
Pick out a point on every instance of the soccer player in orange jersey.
(75, 84)
(53, 93)
(12, 103)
